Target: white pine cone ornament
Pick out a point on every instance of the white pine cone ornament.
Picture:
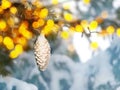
(42, 52)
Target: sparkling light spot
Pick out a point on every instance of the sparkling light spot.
(118, 32)
(93, 25)
(13, 10)
(64, 34)
(68, 17)
(110, 29)
(94, 45)
(79, 28)
(2, 25)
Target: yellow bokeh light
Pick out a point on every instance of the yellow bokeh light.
(79, 28)
(54, 2)
(66, 6)
(110, 29)
(64, 34)
(23, 26)
(1, 39)
(50, 23)
(2, 25)
(19, 49)
(94, 45)
(86, 1)
(118, 32)
(10, 46)
(13, 10)
(21, 30)
(13, 54)
(8, 42)
(93, 25)
(68, 17)
(84, 23)
(41, 22)
(6, 4)
(24, 31)
(47, 30)
(21, 40)
(1, 10)
(35, 24)
(43, 13)
(27, 34)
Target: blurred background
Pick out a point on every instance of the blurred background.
(84, 38)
